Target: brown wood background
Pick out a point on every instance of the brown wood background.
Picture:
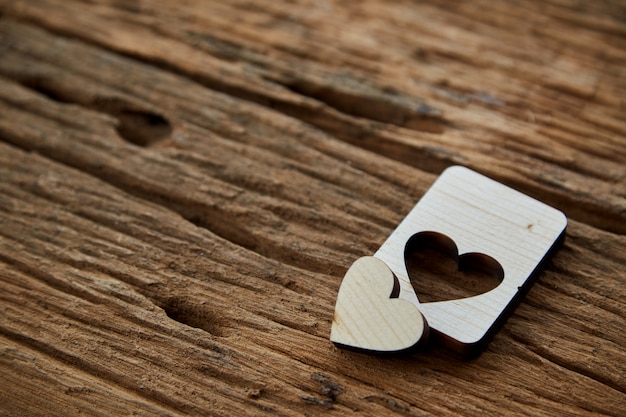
(184, 184)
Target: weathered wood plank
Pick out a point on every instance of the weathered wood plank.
(500, 88)
(172, 236)
(92, 314)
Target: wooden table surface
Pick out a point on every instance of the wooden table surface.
(184, 185)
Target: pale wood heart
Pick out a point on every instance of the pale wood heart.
(366, 318)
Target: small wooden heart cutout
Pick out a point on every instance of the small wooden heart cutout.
(367, 318)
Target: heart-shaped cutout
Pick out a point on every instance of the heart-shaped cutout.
(438, 273)
(368, 314)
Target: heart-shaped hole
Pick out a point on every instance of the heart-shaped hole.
(438, 273)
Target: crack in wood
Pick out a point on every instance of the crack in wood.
(347, 94)
(137, 126)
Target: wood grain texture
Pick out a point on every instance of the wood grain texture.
(184, 185)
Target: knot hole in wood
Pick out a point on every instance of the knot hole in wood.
(194, 314)
(142, 128)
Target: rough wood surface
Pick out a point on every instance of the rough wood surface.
(184, 184)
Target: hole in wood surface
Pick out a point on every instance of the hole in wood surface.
(193, 314)
(142, 128)
(438, 273)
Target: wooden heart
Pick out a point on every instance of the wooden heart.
(368, 314)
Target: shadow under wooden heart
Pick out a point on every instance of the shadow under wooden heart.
(438, 273)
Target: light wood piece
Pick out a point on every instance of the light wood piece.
(481, 216)
(368, 314)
